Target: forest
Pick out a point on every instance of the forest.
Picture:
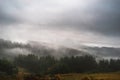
(49, 65)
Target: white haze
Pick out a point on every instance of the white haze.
(61, 22)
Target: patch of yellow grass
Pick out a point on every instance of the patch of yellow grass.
(97, 76)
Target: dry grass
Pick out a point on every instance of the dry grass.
(100, 76)
(96, 76)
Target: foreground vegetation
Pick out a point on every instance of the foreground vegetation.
(75, 64)
(75, 76)
(95, 76)
(31, 67)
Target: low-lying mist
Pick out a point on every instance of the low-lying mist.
(12, 49)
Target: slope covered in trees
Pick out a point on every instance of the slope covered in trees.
(78, 64)
(7, 67)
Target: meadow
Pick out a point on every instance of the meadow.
(95, 76)
(72, 76)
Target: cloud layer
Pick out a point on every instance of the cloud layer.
(69, 22)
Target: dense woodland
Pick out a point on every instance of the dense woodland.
(7, 67)
(50, 65)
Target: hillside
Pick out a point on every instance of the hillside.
(12, 49)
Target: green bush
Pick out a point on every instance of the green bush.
(7, 67)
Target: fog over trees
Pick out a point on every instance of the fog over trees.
(11, 49)
(41, 59)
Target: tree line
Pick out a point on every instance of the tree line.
(75, 64)
(50, 65)
(7, 67)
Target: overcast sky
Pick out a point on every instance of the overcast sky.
(66, 22)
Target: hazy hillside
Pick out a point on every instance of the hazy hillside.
(11, 49)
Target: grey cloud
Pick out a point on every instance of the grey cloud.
(109, 16)
(22, 17)
(6, 19)
(7, 8)
(102, 17)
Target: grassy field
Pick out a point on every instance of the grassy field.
(98, 76)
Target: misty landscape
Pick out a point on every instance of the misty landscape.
(59, 40)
